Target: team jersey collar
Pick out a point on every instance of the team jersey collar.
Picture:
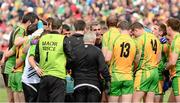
(113, 29)
(176, 35)
(21, 26)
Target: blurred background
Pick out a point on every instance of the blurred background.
(148, 12)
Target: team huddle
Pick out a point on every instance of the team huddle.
(113, 62)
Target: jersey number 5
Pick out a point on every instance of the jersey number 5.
(125, 49)
(154, 45)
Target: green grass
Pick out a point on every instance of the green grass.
(3, 95)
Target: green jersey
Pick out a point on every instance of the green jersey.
(175, 48)
(10, 63)
(164, 59)
(52, 59)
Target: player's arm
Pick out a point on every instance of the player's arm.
(26, 46)
(173, 56)
(104, 71)
(34, 58)
(138, 53)
(166, 49)
(19, 40)
(105, 50)
(107, 54)
(20, 61)
(68, 52)
(10, 52)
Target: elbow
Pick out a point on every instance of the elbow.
(108, 58)
(16, 44)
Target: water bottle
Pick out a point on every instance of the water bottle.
(40, 24)
(69, 84)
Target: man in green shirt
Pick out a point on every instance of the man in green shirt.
(10, 56)
(52, 52)
(173, 64)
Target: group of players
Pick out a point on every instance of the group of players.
(136, 65)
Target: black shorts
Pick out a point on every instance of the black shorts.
(51, 89)
(5, 78)
(30, 92)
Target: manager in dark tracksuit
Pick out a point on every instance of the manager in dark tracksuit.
(88, 65)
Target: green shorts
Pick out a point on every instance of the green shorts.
(146, 80)
(15, 82)
(119, 88)
(10, 63)
(176, 86)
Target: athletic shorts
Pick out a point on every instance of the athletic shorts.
(159, 90)
(160, 76)
(146, 80)
(15, 81)
(119, 88)
(176, 86)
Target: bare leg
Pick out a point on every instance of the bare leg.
(138, 95)
(158, 98)
(150, 97)
(172, 97)
(16, 97)
(21, 96)
(113, 98)
(127, 98)
(120, 99)
(104, 97)
(177, 99)
(10, 95)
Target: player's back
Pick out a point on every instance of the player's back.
(124, 52)
(52, 56)
(151, 51)
(175, 48)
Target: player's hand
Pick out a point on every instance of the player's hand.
(13, 70)
(39, 71)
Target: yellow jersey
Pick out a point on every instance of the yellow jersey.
(124, 51)
(109, 37)
(150, 49)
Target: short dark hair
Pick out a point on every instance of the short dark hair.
(79, 25)
(66, 27)
(124, 25)
(174, 24)
(31, 29)
(29, 17)
(49, 21)
(136, 25)
(112, 20)
(95, 23)
(162, 27)
(56, 24)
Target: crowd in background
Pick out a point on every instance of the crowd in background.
(148, 12)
